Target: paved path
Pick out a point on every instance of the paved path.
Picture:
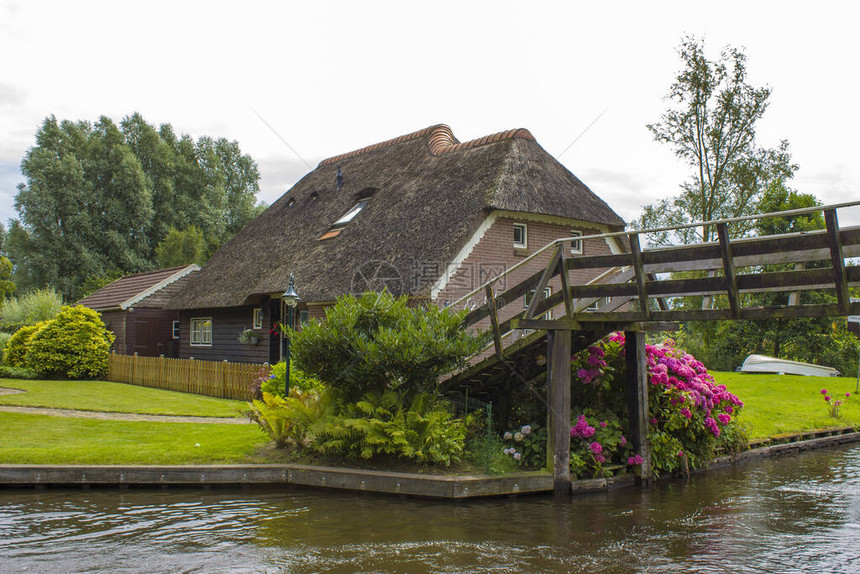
(114, 416)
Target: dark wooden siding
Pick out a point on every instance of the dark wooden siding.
(147, 332)
(227, 324)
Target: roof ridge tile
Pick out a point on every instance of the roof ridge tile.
(440, 140)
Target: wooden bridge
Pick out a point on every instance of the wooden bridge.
(646, 290)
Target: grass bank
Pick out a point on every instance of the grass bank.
(779, 404)
(774, 404)
(115, 397)
(42, 439)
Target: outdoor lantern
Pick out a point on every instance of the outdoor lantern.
(291, 299)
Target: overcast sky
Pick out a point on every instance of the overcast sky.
(330, 77)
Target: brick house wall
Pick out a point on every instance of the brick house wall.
(494, 253)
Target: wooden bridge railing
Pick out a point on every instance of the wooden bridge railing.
(635, 285)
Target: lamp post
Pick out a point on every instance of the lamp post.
(291, 299)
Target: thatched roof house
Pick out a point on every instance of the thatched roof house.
(407, 214)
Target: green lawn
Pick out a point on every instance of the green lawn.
(42, 439)
(777, 404)
(115, 397)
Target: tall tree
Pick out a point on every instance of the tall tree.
(711, 127)
(181, 248)
(101, 198)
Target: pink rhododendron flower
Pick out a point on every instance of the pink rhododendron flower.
(724, 418)
(623, 441)
(603, 424)
(823, 391)
(596, 447)
(634, 460)
(686, 413)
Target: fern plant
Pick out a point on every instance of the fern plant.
(380, 425)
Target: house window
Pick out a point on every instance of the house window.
(303, 316)
(350, 215)
(576, 244)
(338, 225)
(527, 300)
(258, 318)
(201, 331)
(176, 329)
(521, 235)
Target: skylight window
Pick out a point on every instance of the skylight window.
(350, 215)
(338, 225)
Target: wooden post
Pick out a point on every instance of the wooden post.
(224, 379)
(636, 387)
(558, 376)
(836, 258)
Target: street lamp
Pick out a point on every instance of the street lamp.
(291, 299)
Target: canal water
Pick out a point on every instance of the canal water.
(792, 514)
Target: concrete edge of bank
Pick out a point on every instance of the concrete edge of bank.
(408, 484)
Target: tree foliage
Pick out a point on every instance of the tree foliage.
(181, 248)
(711, 127)
(30, 308)
(102, 196)
(377, 342)
(7, 286)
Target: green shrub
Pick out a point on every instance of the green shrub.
(274, 384)
(378, 342)
(18, 345)
(75, 345)
(7, 372)
(31, 308)
(4, 338)
(381, 426)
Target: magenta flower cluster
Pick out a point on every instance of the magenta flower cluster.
(581, 429)
(595, 363)
(833, 405)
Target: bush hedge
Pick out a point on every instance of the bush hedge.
(15, 353)
(76, 344)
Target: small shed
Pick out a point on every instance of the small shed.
(133, 307)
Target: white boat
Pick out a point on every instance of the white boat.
(765, 364)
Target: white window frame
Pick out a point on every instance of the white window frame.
(258, 318)
(525, 236)
(200, 335)
(576, 246)
(175, 333)
(546, 294)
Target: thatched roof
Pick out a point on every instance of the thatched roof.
(428, 194)
(148, 289)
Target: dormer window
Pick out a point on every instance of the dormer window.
(338, 225)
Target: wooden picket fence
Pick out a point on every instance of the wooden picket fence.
(220, 379)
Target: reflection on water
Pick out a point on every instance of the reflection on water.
(795, 514)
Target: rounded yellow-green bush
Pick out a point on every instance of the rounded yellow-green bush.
(75, 344)
(17, 346)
